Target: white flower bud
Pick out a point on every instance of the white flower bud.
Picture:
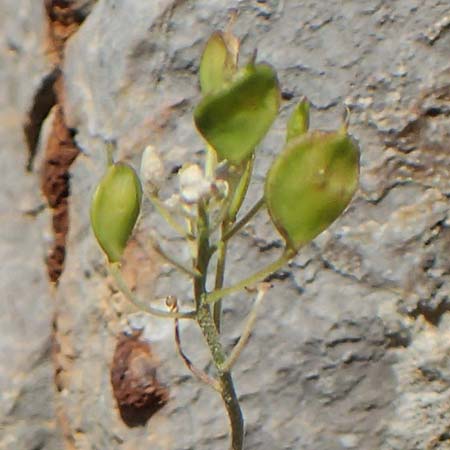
(193, 183)
(152, 170)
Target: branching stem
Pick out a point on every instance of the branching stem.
(200, 374)
(245, 219)
(209, 330)
(253, 279)
(249, 325)
(166, 214)
(114, 269)
(193, 273)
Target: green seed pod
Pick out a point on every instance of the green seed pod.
(311, 183)
(241, 189)
(298, 122)
(115, 208)
(219, 61)
(234, 119)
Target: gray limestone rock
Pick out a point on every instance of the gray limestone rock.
(351, 347)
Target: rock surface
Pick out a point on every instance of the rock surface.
(351, 347)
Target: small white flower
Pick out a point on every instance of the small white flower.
(193, 183)
(152, 170)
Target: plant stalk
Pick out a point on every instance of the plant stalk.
(209, 330)
(227, 390)
(203, 254)
(220, 271)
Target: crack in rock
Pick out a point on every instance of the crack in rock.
(43, 102)
(63, 18)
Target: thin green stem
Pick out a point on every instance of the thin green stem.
(164, 212)
(211, 335)
(203, 253)
(179, 265)
(251, 280)
(110, 147)
(220, 271)
(238, 183)
(200, 374)
(238, 189)
(245, 219)
(210, 162)
(114, 269)
(246, 332)
(227, 390)
(233, 408)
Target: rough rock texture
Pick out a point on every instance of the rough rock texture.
(351, 347)
(27, 414)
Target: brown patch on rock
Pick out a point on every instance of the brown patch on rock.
(64, 18)
(60, 153)
(134, 380)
